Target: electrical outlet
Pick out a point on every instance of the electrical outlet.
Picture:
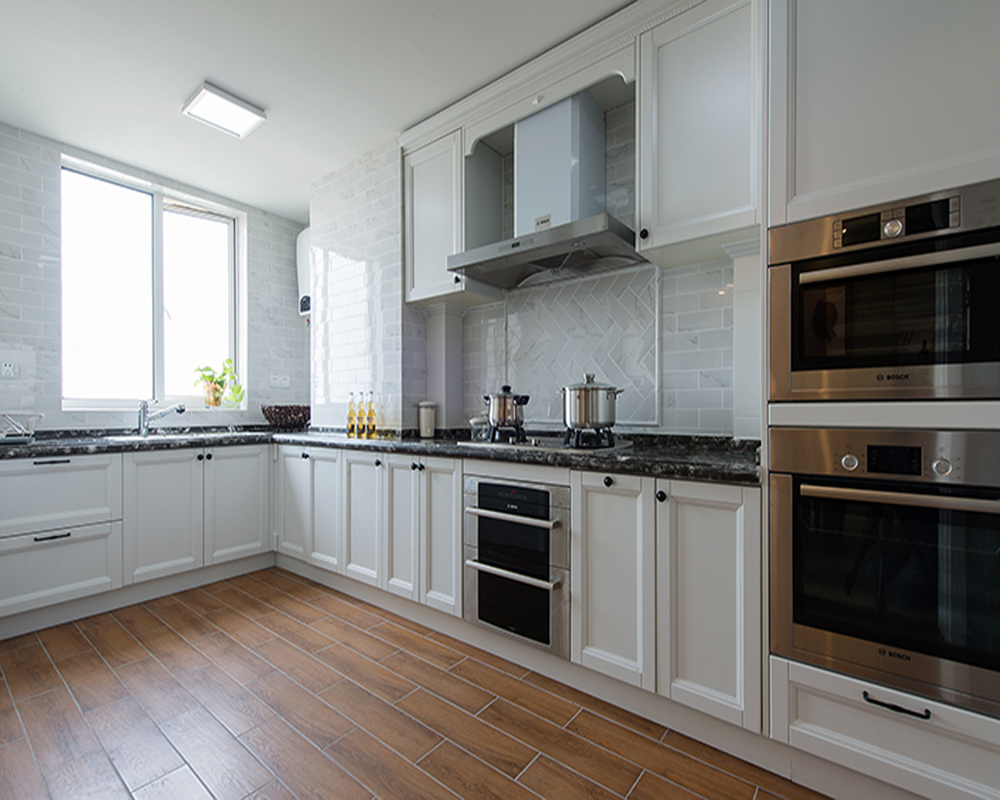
(8, 370)
(280, 382)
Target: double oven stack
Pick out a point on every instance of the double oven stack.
(885, 541)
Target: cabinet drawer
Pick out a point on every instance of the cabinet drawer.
(44, 494)
(41, 569)
(953, 753)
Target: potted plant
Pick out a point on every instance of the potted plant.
(221, 388)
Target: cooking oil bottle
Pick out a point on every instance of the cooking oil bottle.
(370, 416)
(352, 418)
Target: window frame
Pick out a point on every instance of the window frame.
(167, 200)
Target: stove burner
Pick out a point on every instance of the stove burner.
(506, 434)
(589, 439)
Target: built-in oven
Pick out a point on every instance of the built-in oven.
(516, 549)
(885, 557)
(897, 301)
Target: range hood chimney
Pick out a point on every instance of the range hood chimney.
(561, 227)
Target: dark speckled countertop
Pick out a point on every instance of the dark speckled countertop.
(697, 458)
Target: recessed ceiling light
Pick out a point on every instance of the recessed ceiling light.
(224, 111)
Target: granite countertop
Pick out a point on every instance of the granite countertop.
(699, 458)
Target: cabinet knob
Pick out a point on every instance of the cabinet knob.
(414, 466)
(208, 456)
(458, 279)
(608, 480)
(378, 462)
(420, 467)
(201, 456)
(661, 496)
(305, 454)
(644, 233)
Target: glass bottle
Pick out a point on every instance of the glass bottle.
(352, 419)
(370, 426)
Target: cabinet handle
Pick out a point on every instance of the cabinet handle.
(54, 536)
(608, 480)
(420, 467)
(305, 455)
(378, 462)
(925, 714)
(644, 233)
(208, 456)
(201, 456)
(661, 496)
(50, 462)
(458, 279)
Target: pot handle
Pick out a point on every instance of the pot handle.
(521, 400)
(618, 392)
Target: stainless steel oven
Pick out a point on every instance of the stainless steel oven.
(516, 549)
(897, 301)
(885, 557)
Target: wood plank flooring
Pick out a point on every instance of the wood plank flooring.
(271, 686)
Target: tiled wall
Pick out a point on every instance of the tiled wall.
(666, 337)
(364, 337)
(276, 339)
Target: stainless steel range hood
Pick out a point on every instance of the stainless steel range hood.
(584, 247)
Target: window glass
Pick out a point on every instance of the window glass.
(106, 290)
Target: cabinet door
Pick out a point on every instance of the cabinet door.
(874, 102)
(327, 539)
(441, 534)
(699, 118)
(402, 525)
(163, 522)
(613, 594)
(236, 502)
(708, 599)
(294, 513)
(362, 514)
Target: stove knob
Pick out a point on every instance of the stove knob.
(942, 467)
(849, 462)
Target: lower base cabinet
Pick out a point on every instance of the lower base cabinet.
(951, 753)
(191, 507)
(666, 589)
(307, 508)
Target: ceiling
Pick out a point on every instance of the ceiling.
(336, 78)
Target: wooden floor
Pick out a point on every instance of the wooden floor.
(270, 686)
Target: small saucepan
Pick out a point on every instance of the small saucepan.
(505, 410)
(589, 405)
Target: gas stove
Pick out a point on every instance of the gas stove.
(551, 443)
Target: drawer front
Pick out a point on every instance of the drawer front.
(46, 494)
(951, 753)
(41, 569)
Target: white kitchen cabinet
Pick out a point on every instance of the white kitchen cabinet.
(434, 224)
(613, 597)
(699, 118)
(400, 574)
(61, 532)
(875, 102)
(946, 752)
(236, 502)
(362, 515)
(439, 540)
(708, 592)
(327, 541)
(164, 520)
(189, 507)
(309, 505)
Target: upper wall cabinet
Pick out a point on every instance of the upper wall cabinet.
(434, 226)
(872, 102)
(699, 104)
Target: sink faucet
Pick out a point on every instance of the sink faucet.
(146, 416)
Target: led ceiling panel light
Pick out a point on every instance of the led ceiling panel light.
(223, 111)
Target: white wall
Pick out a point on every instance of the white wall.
(275, 338)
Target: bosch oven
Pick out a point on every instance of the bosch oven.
(885, 557)
(891, 302)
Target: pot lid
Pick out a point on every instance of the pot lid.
(589, 383)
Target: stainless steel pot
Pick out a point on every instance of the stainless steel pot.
(589, 404)
(505, 410)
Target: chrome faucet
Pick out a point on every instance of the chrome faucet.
(146, 416)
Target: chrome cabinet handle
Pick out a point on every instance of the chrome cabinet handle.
(503, 517)
(514, 576)
(901, 498)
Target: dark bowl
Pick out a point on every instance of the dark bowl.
(286, 416)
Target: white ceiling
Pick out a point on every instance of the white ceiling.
(337, 77)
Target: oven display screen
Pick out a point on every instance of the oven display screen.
(895, 460)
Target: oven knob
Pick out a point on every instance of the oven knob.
(849, 462)
(892, 228)
(942, 466)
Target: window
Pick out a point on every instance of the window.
(148, 292)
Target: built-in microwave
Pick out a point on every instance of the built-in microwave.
(890, 302)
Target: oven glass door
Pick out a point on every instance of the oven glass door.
(896, 313)
(906, 567)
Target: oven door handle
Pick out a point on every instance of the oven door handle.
(519, 520)
(514, 576)
(897, 264)
(948, 503)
